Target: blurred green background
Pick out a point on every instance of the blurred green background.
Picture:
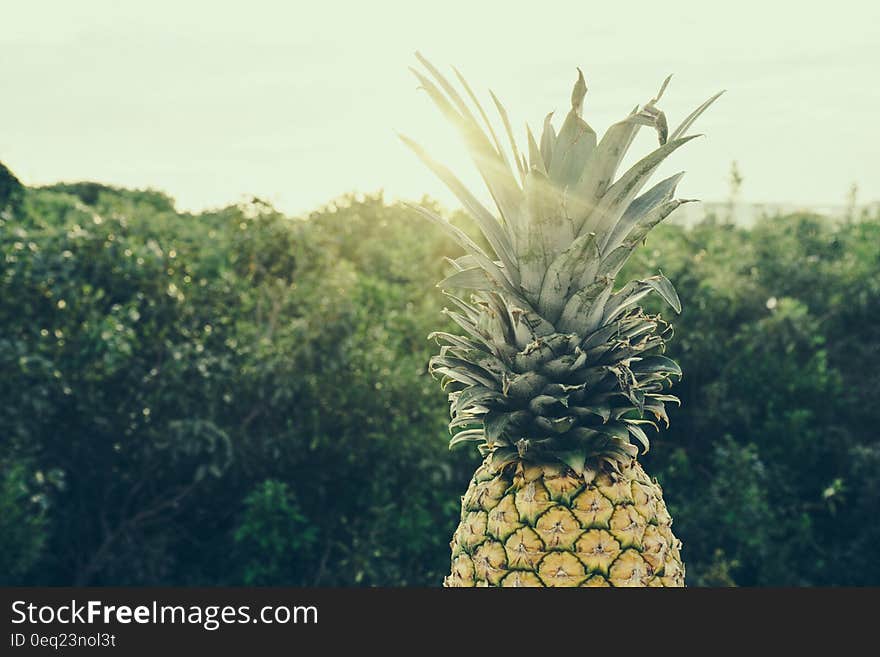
(240, 397)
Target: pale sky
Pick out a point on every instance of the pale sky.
(299, 102)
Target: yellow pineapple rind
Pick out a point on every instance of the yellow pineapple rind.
(533, 526)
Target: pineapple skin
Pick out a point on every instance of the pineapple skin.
(544, 526)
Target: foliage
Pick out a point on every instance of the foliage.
(241, 397)
(767, 462)
(23, 506)
(10, 189)
(274, 539)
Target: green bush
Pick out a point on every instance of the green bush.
(275, 543)
(11, 190)
(23, 506)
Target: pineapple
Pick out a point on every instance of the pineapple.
(557, 371)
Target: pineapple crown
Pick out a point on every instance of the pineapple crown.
(555, 365)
